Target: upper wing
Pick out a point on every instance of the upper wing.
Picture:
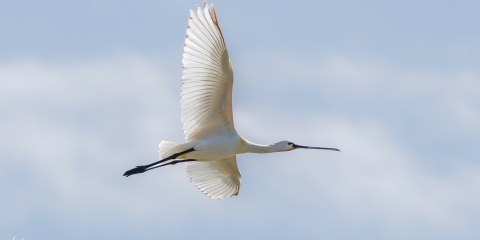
(217, 179)
(207, 77)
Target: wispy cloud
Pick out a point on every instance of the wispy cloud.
(69, 131)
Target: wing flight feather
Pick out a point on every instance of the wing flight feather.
(217, 179)
(207, 77)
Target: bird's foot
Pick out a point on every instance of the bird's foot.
(136, 170)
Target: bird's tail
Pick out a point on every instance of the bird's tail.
(167, 149)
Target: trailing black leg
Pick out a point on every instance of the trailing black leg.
(171, 163)
(144, 168)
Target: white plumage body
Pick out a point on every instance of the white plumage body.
(213, 148)
(212, 142)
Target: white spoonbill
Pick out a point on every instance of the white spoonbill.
(212, 142)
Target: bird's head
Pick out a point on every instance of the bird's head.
(289, 146)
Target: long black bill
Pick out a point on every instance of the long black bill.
(322, 148)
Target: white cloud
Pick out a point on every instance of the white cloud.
(377, 177)
(70, 130)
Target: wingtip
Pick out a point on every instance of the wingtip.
(213, 15)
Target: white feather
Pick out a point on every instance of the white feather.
(217, 179)
(207, 79)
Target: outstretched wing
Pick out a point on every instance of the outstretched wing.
(207, 77)
(217, 179)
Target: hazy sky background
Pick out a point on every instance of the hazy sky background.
(89, 88)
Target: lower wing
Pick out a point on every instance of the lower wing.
(217, 179)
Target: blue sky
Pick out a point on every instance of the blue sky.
(90, 88)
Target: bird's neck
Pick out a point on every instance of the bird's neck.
(258, 148)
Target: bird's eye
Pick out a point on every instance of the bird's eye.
(290, 143)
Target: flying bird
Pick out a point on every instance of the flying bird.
(212, 142)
